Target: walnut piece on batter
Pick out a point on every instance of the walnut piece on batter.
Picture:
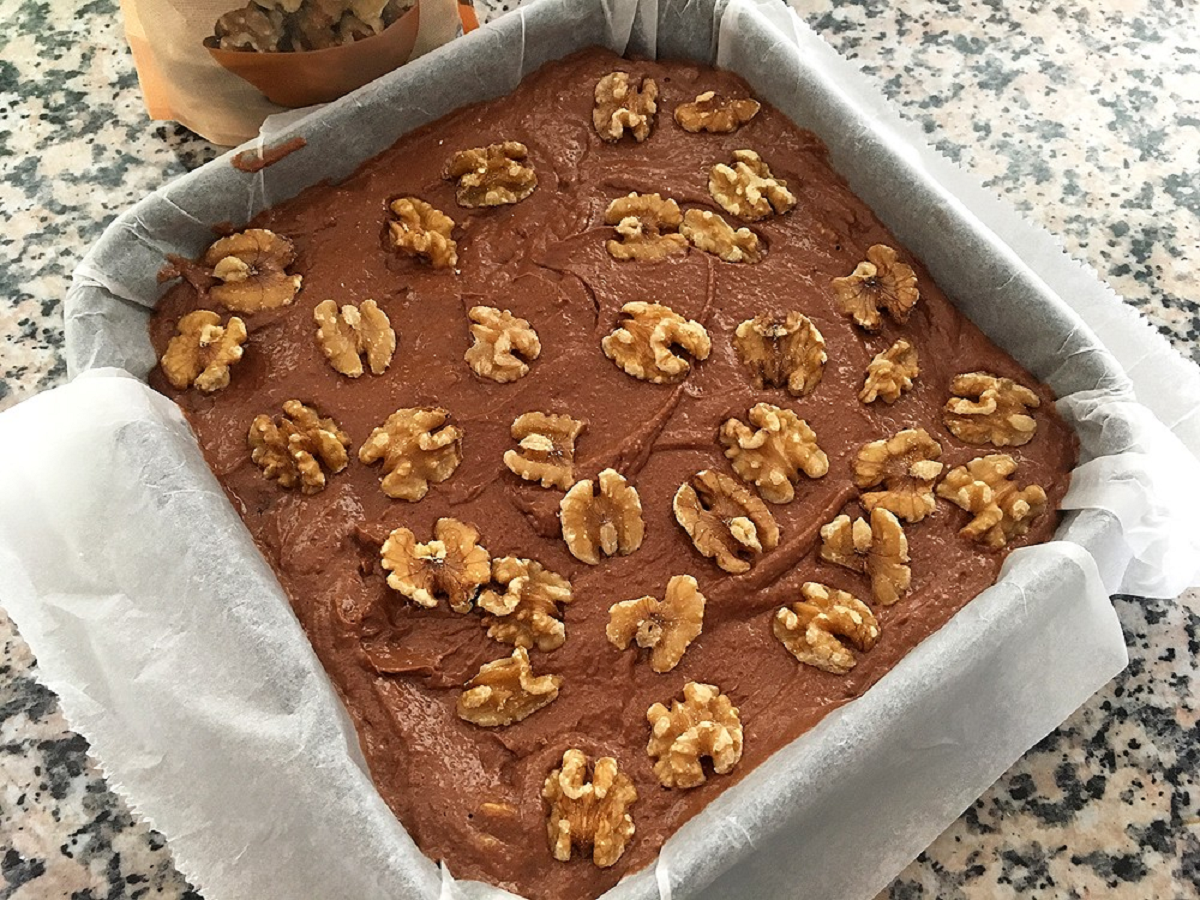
(877, 549)
(203, 350)
(716, 115)
(747, 189)
(621, 106)
(880, 282)
(818, 629)
(527, 612)
(506, 691)
(547, 448)
(250, 271)
(298, 447)
(646, 227)
(984, 487)
(504, 344)
(494, 175)
(726, 520)
(589, 813)
(705, 724)
(607, 522)
(252, 27)
(453, 565)
(782, 351)
(773, 454)
(643, 343)
(707, 231)
(423, 232)
(665, 627)
(346, 335)
(418, 448)
(890, 373)
(906, 466)
(987, 409)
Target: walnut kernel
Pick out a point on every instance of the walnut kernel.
(453, 565)
(589, 813)
(298, 447)
(419, 230)
(346, 335)
(527, 613)
(707, 231)
(817, 629)
(747, 189)
(890, 373)
(503, 343)
(664, 627)
(877, 549)
(726, 520)
(774, 453)
(705, 724)
(984, 487)
(716, 115)
(250, 269)
(785, 351)
(880, 281)
(506, 691)
(621, 106)
(608, 522)
(906, 466)
(418, 448)
(251, 27)
(202, 351)
(491, 176)
(645, 225)
(987, 409)
(547, 448)
(643, 341)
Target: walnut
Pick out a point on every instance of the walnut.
(345, 336)
(987, 409)
(716, 115)
(706, 723)
(418, 448)
(747, 189)
(878, 549)
(984, 487)
(707, 231)
(506, 691)
(547, 453)
(782, 351)
(725, 520)
(298, 448)
(645, 225)
(202, 351)
(251, 28)
(643, 341)
(664, 627)
(589, 813)
(419, 230)
(817, 629)
(491, 176)
(250, 269)
(503, 343)
(890, 373)
(527, 613)
(879, 281)
(621, 106)
(608, 522)
(906, 466)
(773, 456)
(453, 565)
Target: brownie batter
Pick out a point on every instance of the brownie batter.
(399, 668)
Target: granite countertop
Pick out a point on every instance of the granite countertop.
(1084, 113)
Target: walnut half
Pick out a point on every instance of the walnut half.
(621, 106)
(345, 336)
(747, 189)
(879, 282)
(984, 487)
(726, 521)
(664, 627)
(527, 613)
(705, 724)
(202, 351)
(878, 549)
(418, 448)
(782, 351)
(504, 344)
(422, 231)
(775, 452)
(644, 341)
(505, 691)
(890, 373)
(817, 629)
(987, 409)
(707, 231)
(547, 453)
(646, 227)
(906, 466)
(299, 447)
(608, 521)
(494, 175)
(453, 565)
(589, 813)
(251, 271)
(716, 115)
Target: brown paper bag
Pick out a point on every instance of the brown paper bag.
(222, 66)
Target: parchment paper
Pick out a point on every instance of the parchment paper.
(176, 654)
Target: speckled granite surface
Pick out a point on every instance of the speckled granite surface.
(1085, 114)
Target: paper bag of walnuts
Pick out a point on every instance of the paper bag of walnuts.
(222, 66)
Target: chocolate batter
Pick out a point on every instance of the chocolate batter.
(399, 668)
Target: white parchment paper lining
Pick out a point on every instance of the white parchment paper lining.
(176, 654)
